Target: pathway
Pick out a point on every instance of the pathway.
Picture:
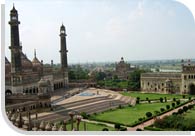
(141, 126)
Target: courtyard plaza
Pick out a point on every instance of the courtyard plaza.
(78, 100)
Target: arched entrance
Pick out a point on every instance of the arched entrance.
(8, 92)
(192, 89)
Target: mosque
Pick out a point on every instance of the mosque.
(23, 76)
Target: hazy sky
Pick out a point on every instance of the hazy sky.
(104, 30)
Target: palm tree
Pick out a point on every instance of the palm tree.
(78, 121)
(71, 114)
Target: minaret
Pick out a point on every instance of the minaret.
(63, 55)
(63, 50)
(16, 66)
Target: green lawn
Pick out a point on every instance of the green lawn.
(190, 114)
(90, 127)
(129, 115)
(143, 96)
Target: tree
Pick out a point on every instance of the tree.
(137, 100)
(105, 129)
(178, 102)
(162, 109)
(173, 105)
(161, 99)
(140, 119)
(148, 114)
(77, 73)
(185, 108)
(117, 126)
(71, 75)
(168, 107)
(147, 98)
(134, 79)
(174, 99)
(190, 106)
(84, 115)
(100, 76)
(180, 111)
(165, 99)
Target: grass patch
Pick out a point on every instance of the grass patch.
(190, 114)
(143, 96)
(129, 115)
(90, 127)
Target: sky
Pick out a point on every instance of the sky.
(104, 30)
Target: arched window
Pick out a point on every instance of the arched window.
(8, 92)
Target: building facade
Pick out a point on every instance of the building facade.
(172, 83)
(22, 76)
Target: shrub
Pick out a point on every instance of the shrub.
(174, 113)
(174, 99)
(162, 109)
(147, 99)
(173, 105)
(120, 106)
(140, 119)
(180, 111)
(190, 106)
(84, 115)
(183, 96)
(168, 107)
(178, 102)
(156, 112)
(138, 129)
(189, 98)
(123, 129)
(105, 129)
(148, 114)
(165, 99)
(117, 126)
(161, 99)
(137, 100)
(185, 108)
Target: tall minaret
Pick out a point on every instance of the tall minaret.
(63, 55)
(63, 50)
(16, 66)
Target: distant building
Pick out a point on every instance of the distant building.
(123, 69)
(172, 83)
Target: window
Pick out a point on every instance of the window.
(185, 77)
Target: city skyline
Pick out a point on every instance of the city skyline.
(131, 29)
